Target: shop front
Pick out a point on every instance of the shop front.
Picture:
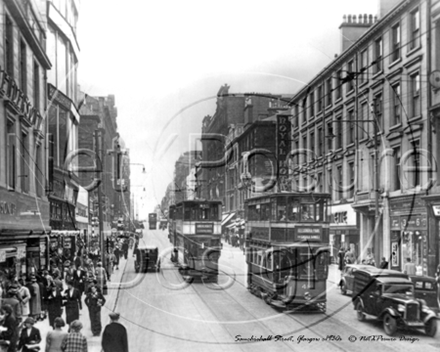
(409, 233)
(63, 246)
(23, 224)
(344, 232)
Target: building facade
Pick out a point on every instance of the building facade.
(365, 126)
(24, 207)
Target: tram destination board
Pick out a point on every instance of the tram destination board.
(205, 228)
(308, 234)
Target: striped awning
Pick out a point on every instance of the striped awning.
(226, 219)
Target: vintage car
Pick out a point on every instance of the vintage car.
(147, 258)
(389, 296)
(347, 279)
(425, 288)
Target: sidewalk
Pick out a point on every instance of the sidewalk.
(94, 342)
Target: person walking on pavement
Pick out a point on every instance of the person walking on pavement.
(94, 301)
(11, 325)
(54, 302)
(74, 341)
(101, 277)
(117, 253)
(35, 302)
(29, 336)
(125, 248)
(12, 300)
(55, 338)
(79, 279)
(409, 268)
(72, 302)
(114, 337)
(25, 298)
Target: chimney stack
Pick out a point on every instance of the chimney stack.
(353, 27)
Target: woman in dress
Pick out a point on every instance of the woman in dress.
(35, 302)
(94, 301)
(25, 298)
(55, 338)
(54, 303)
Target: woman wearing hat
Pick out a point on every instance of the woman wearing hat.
(54, 302)
(101, 277)
(74, 341)
(94, 301)
(29, 336)
(54, 338)
(72, 301)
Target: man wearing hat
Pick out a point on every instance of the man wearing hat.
(72, 302)
(114, 337)
(29, 336)
(74, 341)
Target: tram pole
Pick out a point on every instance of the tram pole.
(100, 220)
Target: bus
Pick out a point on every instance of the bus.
(152, 221)
(287, 249)
(195, 233)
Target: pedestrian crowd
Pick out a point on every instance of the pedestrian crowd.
(43, 295)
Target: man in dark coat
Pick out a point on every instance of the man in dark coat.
(79, 279)
(114, 337)
(72, 302)
(29, 336)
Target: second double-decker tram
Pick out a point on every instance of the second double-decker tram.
(287, 253)
(196, 234)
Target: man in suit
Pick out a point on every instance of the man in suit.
(72, 302)
(79, 279)
(29, 336)
(114, 337)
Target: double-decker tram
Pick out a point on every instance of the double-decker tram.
(287, 253)
(195, 232)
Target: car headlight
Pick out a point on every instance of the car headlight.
(401, 308)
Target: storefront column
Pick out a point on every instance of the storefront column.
(386, 232)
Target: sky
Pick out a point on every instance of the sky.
(165, 61)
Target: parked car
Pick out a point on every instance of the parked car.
(389, 296)
(147, 258)
(425, 287)
(347, 279)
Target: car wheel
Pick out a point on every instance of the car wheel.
(343, 288)
(389, 324)
(360, 312)
(431, 327)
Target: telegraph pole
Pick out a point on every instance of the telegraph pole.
(98, 138)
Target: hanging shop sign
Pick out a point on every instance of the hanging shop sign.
(282, 150)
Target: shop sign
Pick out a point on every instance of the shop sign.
(7, 208)
(67, 242)
(342, 215)
(282, 149)
(2, 255)
(394, 254)
(436, 209)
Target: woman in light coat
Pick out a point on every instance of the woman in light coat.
(25, 298)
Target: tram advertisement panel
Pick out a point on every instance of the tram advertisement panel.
(308, 234)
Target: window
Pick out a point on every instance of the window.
(338, 85)
(395, 184)
(378, 52)
(329, 91)
(320, 183)
(415, 158)
(350, 127)
(24, 162)
(36, 86)
(312, 104)
(329, 181)
(351, 185)
(350, 76)
(339, 128)
(415, 100)
(363, 115)
(339, 182)
(396, 104)
(395, 42)
(320, 141)
(296, 117)
(319, 98)
(9, 47)
(11, 160)
(312, 144)
(363, 77)
(39, 180)
(378, 113)
(414, 28)
(329, 136)
(305, 148)
(23, 73)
